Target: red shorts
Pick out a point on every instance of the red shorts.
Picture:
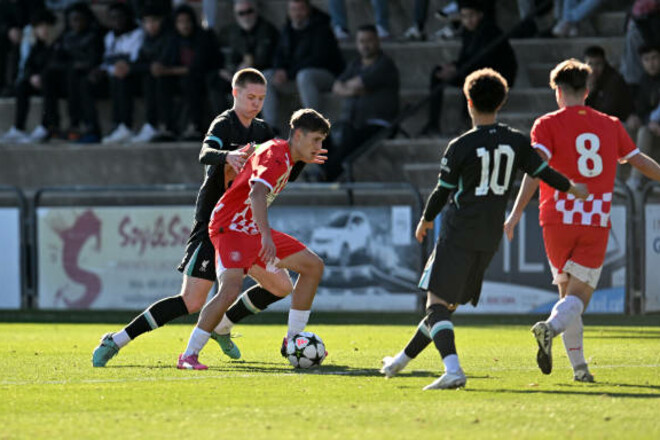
(577, 250)
(236, 250)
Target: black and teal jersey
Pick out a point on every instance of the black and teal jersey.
(477, 172)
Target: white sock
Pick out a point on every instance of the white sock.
(402, 358)
(197, 341)
(572, 337)
(564, 312)
(451, 363)
(225, 326)
(297, 321)
(121, 338)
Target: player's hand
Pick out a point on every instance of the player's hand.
(268, 250)
(579, 190)
(510, 225)
(236, 159)
(35, 81)
(422, 227)
(320, 157)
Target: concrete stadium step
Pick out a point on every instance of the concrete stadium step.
(60, 163)
(386, 162)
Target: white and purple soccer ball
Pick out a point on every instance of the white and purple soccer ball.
(305, 350)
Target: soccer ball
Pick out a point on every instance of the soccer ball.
(305, 350)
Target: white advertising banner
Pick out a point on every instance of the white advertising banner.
(110, 257)
(652, 259)
(10, 258)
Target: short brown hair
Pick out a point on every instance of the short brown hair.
(570, 74)
(309, 120)
(487, 90)
(248, 76)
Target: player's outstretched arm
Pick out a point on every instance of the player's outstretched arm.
(647, 166)
(258, 196)
(527, 190)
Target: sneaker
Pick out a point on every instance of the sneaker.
(383, 33)
(543, 334)
(227, 345)
(572, 31)
(448, 381)
(39, 134)
(341, 34)
(581, 374)
(446, 33)
(283, 347)
(413, 33)
(13, 135)
(190, 363)
(120, 134)
(106, 350)
(147, 134)
(391, 367)
(561, 29)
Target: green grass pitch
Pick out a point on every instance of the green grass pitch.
(50, 390)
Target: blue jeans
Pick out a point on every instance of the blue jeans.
(339, 17)
(574, 11)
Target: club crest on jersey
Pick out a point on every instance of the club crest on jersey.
(204, 265)
(443, 165)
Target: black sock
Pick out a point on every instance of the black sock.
(254, 300)
(157, 315)
(420, 340)
(438, 321)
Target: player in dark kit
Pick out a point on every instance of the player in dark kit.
(229, 131)
(476, 174)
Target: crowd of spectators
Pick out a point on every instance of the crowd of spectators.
(161, 51)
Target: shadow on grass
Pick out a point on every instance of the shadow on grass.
(577, 390)
(625, 385)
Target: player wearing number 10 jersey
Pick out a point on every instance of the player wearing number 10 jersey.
(585, 145)
(477, 173)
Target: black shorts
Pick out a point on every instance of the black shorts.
(199, 259)
(455, 274)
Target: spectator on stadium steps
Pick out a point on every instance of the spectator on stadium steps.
(449, 13)
(250, 42)
(645, 119)
(122, 45)
(339, 18)
(478, 34)
(608, 92)
(643, 27)
(190, 56)
(15, 15)
(38, 61)
(570, 13)
(63, 5)
(308, 54)
(78, 52)
(370, 88)
(157, 34)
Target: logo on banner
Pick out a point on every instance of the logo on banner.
(86, 227)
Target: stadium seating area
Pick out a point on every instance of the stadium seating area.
(415, 159)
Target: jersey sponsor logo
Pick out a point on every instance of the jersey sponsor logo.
(235, 256)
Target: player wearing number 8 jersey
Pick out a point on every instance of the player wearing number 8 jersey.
(585, 145)
(476, 173)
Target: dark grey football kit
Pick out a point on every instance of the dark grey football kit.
(477, 174)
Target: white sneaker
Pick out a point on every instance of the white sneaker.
(391, 366)
(581, 374)
(383, 33)
(39, 134)
(340, 33)
(448, 381)
(413, 34)
(13, 135)
(147, 134)
(120, 134)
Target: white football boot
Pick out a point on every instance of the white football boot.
(392, 366)
(448, 381)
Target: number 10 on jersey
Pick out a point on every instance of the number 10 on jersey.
(491, 182)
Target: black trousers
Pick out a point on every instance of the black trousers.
(122, 93)
(23, 92)
(346, 140)
(80, 92)
(191, 87)
(435, 106)
(9, 55)
(219, 89)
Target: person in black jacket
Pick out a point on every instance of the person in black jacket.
(78, 52)
(250, 42)
(157, 34)
(608, 92)
(38, 61)
(307, 53)
(477, 52)
(190, 55)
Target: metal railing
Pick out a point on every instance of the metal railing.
(24, 249)
(651, 189)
